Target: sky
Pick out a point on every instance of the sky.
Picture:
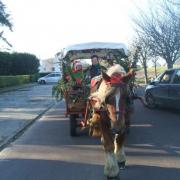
(43, 27)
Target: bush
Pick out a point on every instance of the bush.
(18, 64)
(44, 74)
(34, 77)
(6, 81)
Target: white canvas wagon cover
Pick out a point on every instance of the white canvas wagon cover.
(85, 50)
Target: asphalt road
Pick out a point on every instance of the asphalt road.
(47, 152)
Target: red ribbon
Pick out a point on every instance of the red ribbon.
(116, 79)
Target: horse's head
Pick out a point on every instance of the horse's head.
(111, 94)
(98, 98)
(110, 84)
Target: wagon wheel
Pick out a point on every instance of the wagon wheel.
(73, 125)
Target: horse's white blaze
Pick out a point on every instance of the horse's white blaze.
(117, 96)
(119, 152)
(103, 92)
(100, 94)
(111, 168)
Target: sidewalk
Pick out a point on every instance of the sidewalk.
(13, 88)
(21, 106)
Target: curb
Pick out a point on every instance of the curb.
(13, 88)
(21, 131)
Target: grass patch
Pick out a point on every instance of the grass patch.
(140, 78)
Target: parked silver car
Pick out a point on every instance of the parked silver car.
(50, 78)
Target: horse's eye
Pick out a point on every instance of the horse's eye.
(101, 108)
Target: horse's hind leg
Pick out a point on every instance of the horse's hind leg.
(119, 150)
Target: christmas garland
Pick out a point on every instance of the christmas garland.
(61, 88)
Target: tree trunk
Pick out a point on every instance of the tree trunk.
(155, 69)
(145, 73)
(169, 64)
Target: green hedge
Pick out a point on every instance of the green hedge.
(41, 74)
(6, 81)
(18, 64)
(34, 77)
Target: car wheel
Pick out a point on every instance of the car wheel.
(150, 101)
(42, 82)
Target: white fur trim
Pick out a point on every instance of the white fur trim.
(115, 69)
(111, 168)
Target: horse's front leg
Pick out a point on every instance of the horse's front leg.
(119, 150)
(111, 169)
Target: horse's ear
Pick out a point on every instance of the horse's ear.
(105, 76)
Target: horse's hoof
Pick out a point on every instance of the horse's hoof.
(122, 165)
(113, 178)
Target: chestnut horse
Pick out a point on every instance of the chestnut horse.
(108, 115)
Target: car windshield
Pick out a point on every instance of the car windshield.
(50, 75)
(53, 74)
(176, 79)
(166, 78)
(157, 79)
(57, 75)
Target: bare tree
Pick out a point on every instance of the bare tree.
(154, 61)
(175, 4)
(4, 21)
(144, 53)
(162, 32)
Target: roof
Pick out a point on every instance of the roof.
(97, 45)
(92, 46)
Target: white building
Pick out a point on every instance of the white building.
(49, 65)
(56, 64)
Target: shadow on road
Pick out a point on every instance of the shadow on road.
(140, 172)
(31, 169)
(50, 169)
(54, 130)
(55, 133)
